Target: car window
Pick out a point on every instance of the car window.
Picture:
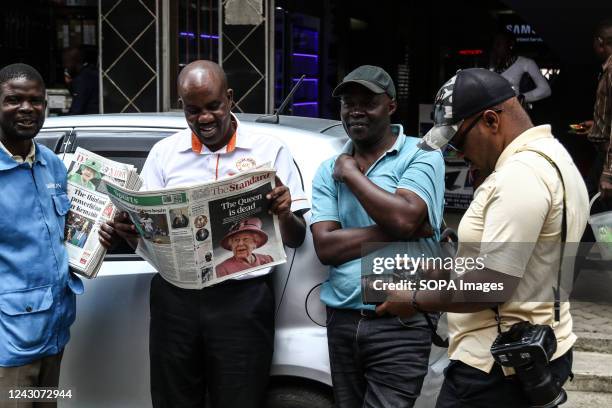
(51, 138)
(126, 145)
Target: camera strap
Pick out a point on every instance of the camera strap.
(557, 289)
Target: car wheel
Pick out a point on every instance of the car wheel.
(293, 396)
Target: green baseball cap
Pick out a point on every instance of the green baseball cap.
(371, 77)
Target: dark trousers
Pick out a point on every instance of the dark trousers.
(467, 387)
(377, 361)
(217, 341)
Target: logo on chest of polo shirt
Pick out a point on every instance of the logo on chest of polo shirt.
(245, 163)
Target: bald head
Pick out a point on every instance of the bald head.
(201, 73)
(207, 101)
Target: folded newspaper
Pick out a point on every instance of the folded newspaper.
(90, 207)
(203, 234)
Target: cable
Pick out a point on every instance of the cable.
(280, 302)
(306, 305)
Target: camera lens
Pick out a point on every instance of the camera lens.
(541, 388)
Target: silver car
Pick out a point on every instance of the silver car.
(106, 362)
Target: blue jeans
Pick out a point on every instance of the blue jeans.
(377, 361)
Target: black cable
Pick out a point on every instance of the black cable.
(286, 282)
(306, 304)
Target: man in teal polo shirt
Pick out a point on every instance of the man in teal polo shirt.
(382, 188)
(37, 292)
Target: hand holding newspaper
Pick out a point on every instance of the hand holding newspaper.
(200, 235)
(89, 207)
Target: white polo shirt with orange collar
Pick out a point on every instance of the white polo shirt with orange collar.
(182, 160)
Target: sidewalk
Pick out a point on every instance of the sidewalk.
(593, 326)
(592, 385)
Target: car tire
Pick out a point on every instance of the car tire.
(294, 396)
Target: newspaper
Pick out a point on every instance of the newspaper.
(203, 234)
(90, 207)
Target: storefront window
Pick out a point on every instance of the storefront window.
(41, 32)
(195, 35)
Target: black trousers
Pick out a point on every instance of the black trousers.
(467, 387)
(217, 341)
(377, 362)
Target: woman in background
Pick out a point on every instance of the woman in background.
(517, 69)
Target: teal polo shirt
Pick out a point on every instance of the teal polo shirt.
(404, 166)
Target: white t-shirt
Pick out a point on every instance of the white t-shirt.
(522, 66)
(173, 162)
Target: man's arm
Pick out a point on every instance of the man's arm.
(604, 118)
(454, 301)
(292, 225)
(506, 245)
(400, 214)
(335, 245)
(605, 183)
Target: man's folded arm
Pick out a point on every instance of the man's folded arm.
(400, 214)
(335, 245)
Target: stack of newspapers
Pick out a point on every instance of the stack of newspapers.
(90, 207)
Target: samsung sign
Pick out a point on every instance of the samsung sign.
(524, 33)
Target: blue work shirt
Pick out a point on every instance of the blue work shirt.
(404, 166)
(37, 292)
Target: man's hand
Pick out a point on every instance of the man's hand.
(605, 188)
(292, 227)
(587, 125)
(396, 308)
(280, 200)
(120, 227)
(107, 235)
(345, 165)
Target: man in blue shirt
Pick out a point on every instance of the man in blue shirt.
(382, 188)
(37, 292)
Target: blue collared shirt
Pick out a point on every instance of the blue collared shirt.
(37, 292)
(404, 166)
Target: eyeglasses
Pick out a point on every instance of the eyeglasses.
(460, 138)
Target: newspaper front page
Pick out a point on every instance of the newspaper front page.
(203, 234)
(90, 207)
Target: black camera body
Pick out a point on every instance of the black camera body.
(528, 349)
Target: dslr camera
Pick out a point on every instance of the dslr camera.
(528, 349)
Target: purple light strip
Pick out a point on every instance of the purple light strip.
(192, 35)
(305, 103)
(297, 54)
(306, 79)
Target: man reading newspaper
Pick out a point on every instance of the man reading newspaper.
(218, 339)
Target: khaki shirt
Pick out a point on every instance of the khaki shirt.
(29, 158)
(520, 203)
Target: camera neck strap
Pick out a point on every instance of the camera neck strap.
(557, 289)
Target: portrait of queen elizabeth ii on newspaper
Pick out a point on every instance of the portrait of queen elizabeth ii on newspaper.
(242, 239)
